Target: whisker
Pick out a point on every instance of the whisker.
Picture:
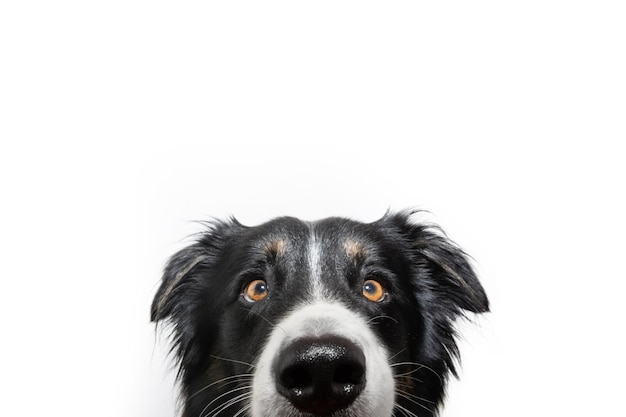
(416, 397)
(406, 412)
(406, 363)
(228, 404)
(401, 394)
(419, 367)
(243, 410)
(234, 361)
(400, 378)
(382, 316)
(247, 387)
(237, 378)
(401, 350)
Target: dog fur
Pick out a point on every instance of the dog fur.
(309, 319)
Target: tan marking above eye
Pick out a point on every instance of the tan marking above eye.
(354, 249)
(374, 291)
(255, 291)
(275, 247)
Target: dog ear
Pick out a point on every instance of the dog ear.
(444, 267)
(176, 277)
(450, 268)
(188, 275)
(445, 286)
(187, 271)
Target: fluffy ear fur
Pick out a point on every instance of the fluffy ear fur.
(176, 277)
(449, 267)
(444, 282)
(444, 263)
(179, 300)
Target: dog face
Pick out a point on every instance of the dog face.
(301, 319)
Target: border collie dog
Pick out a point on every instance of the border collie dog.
(309, 319)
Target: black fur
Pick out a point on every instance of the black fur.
(215, 334)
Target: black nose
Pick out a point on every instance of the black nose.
(321, 375)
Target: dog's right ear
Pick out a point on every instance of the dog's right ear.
(186, 271)
(188, 275)
(176, 277)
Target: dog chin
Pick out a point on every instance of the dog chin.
(318, 321)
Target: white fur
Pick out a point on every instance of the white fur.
(322, 318)
(317, 289)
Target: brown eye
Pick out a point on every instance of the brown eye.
(255, 291)
(374, 291)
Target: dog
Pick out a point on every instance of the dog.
(312, 319)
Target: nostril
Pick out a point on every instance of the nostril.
(349, 373)
(348, 379)
(320, 375)
(295, 377)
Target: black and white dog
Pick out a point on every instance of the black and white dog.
(305, 319)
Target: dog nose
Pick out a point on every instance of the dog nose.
(321, 375)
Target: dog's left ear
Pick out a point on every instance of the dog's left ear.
(443, 262)
(452, 271)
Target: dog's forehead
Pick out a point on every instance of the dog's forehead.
(290, 235)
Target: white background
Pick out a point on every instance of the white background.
(122, 122)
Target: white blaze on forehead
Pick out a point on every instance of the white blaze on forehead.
(315, 266)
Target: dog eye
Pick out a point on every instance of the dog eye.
(255, 291)
(374, 291)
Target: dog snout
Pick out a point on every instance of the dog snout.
(321, 375)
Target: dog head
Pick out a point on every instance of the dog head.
(304, 319)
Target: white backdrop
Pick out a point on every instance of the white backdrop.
(122, 122)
